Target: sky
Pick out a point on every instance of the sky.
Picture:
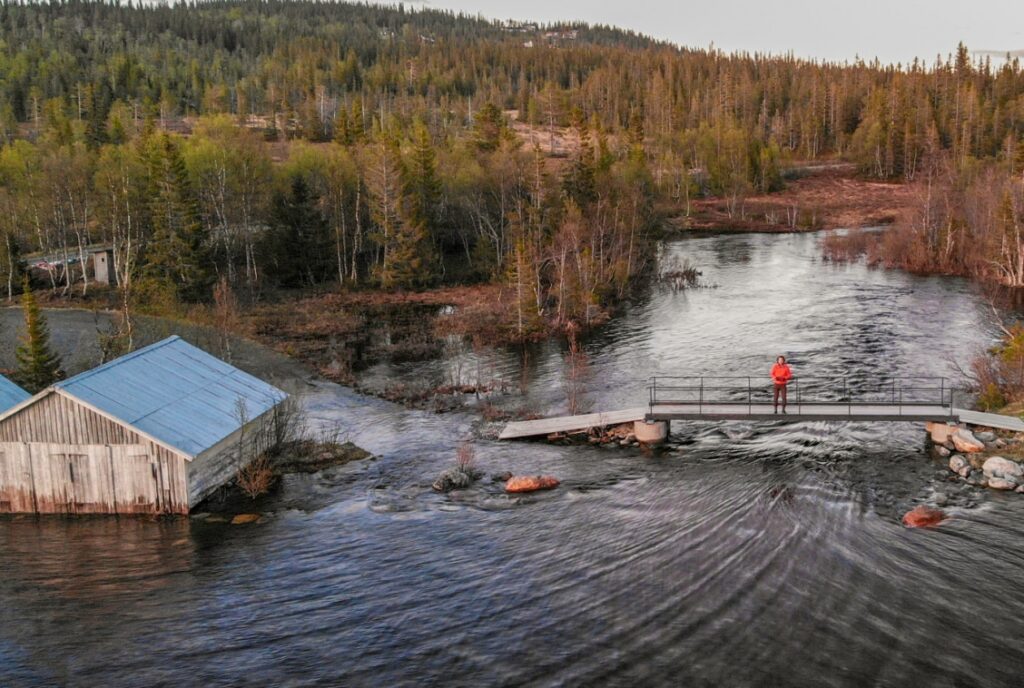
(839, 30)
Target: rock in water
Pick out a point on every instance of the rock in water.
(453, 479)
(1001, 484)
(959, 465)
(965, 441)
(242, 519)
(531, 483)
(996, 467)
(923, 517)
(942, 451)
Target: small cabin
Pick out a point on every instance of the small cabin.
(10, 394)
(154, 432)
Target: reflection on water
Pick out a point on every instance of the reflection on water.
(744, 554)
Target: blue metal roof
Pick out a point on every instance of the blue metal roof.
(175, 393)
(10, 394)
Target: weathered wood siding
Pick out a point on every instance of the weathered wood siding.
(219, 464)
(58, 456)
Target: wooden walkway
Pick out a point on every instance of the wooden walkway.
(990, 420)
(546, 426)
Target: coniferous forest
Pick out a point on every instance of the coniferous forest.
(274, 145)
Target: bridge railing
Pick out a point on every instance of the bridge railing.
(802, 391)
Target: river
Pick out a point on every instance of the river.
(744, 554)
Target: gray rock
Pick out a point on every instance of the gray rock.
(1020, 488)
(986, 436)
(998, 467)
(959, 465)
(941, 499)
(453, 479)
(999, 443)
(942, 452)
(1001, 484)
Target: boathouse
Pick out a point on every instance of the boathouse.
(155, 431)
(10, 394)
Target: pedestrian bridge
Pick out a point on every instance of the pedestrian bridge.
(703, 398)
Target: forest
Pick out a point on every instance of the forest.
(270, 146)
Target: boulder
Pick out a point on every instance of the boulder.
(1020, 489)
(923, 517)
(959, 465)
(531, 483)
(996, 467)
(940, 432)
(965, 442)
(242, 519)
(453, 479)
(942, 452)
(986, 436)
(1002, 484)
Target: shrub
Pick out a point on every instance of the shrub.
(257, 477)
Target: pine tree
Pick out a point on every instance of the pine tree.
(38, 365)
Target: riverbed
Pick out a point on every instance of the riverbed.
(743, 554)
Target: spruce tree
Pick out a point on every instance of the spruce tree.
(38, 365)
(423, 187)
(177, 255)
(297, 241)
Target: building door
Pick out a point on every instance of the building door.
(136, 481)
(17, 489)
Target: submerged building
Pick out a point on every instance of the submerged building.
(155, 431)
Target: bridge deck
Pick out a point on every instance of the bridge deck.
(991, 420)
(802, 412)
(546, 426)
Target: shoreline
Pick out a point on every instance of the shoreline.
(817, 198)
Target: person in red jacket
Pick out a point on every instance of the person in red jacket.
(781, 375)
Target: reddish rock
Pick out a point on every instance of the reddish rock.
(242, 519)
(923, 517)
(966, 443)
(531, 483)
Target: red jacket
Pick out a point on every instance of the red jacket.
(781, 374)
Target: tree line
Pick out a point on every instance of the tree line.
(298, 144)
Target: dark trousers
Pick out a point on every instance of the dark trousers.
(780, 390)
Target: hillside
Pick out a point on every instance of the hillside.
(281, 146)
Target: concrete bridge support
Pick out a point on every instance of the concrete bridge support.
(651, 432)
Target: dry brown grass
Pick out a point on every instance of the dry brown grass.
(465, 457)
(257, 477)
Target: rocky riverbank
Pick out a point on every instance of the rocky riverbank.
(983, 459)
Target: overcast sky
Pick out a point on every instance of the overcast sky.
(892, 30)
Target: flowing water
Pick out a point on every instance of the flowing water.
(744, 554)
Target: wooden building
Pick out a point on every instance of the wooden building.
(155, 431)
